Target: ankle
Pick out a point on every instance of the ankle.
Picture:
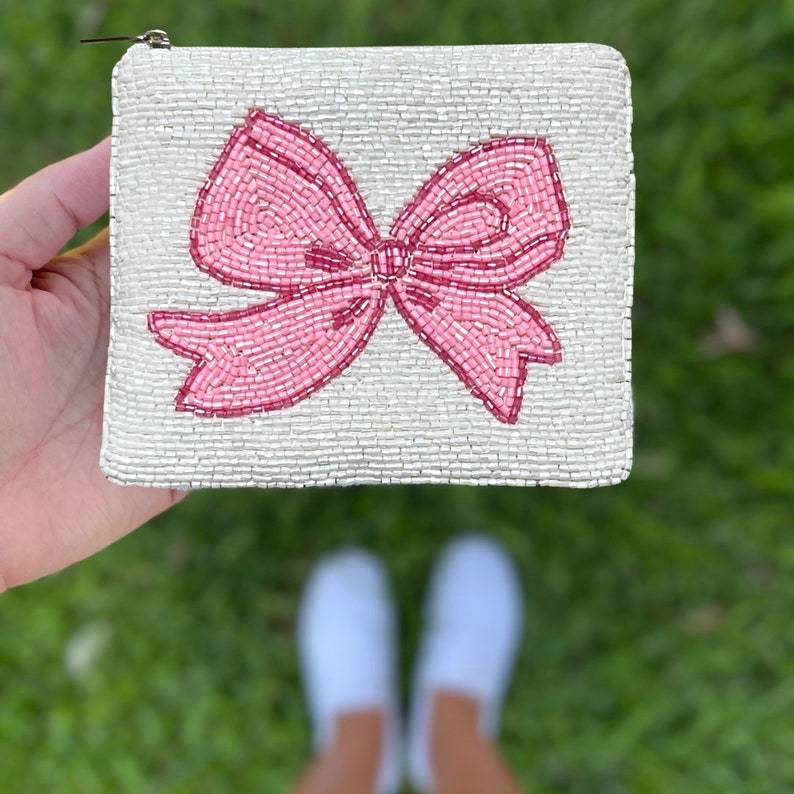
(357, 750)
(454, 714)
(464, 761)
(454, 731)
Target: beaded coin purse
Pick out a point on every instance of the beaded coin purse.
(374, 265)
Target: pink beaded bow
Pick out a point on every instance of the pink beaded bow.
(279, 212)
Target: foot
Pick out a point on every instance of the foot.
(347, 647)
(474, 616)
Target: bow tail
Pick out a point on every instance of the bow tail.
(217, 345)
(188, 334)
(270, 356)
(487, 339)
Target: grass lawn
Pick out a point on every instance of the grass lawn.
(660, 653)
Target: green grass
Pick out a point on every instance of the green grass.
(660, 653)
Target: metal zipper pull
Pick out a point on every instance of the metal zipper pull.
(156, 39)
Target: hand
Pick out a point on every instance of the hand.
(56, 507)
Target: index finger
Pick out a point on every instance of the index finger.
(43, 212)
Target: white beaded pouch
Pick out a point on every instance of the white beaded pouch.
(376, 265)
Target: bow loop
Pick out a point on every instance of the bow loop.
(463, 226)
(491, 218)
(274, 197)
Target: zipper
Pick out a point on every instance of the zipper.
(154, 39)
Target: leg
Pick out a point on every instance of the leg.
(474, 616)
(346, 640)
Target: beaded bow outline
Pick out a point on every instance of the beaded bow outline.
(279, 212)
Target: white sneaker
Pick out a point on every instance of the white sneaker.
(474, 619)
(347, 648)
